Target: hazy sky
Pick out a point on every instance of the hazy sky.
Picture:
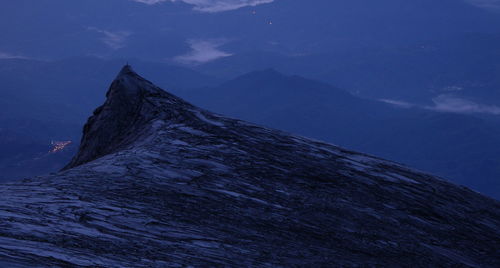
(489, 4)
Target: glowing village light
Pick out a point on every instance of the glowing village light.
(58, 146)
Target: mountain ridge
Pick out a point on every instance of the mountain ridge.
(462, 148)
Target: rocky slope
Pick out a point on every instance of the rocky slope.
(462, 148)
(158, 182)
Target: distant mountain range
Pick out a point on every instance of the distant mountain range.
(464, 67)
(412, 51)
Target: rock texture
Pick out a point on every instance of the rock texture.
(160, 183)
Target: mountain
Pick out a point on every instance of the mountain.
(464, 66)
(160, 182)
(462, 148)
(46, 101)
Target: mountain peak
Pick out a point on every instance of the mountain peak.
(129, 82)
(127, 69)
(131, 103)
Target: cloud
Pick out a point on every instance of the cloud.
(450, 104)
(202, 51)
(488, 4)
(212, 6)
(453, 104)
(114, 40)
(151, 2)
(402, 104)
(4, 56)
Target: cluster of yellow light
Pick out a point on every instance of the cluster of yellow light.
(59, 146)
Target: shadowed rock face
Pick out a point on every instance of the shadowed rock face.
(120, 120)
(158, 182)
